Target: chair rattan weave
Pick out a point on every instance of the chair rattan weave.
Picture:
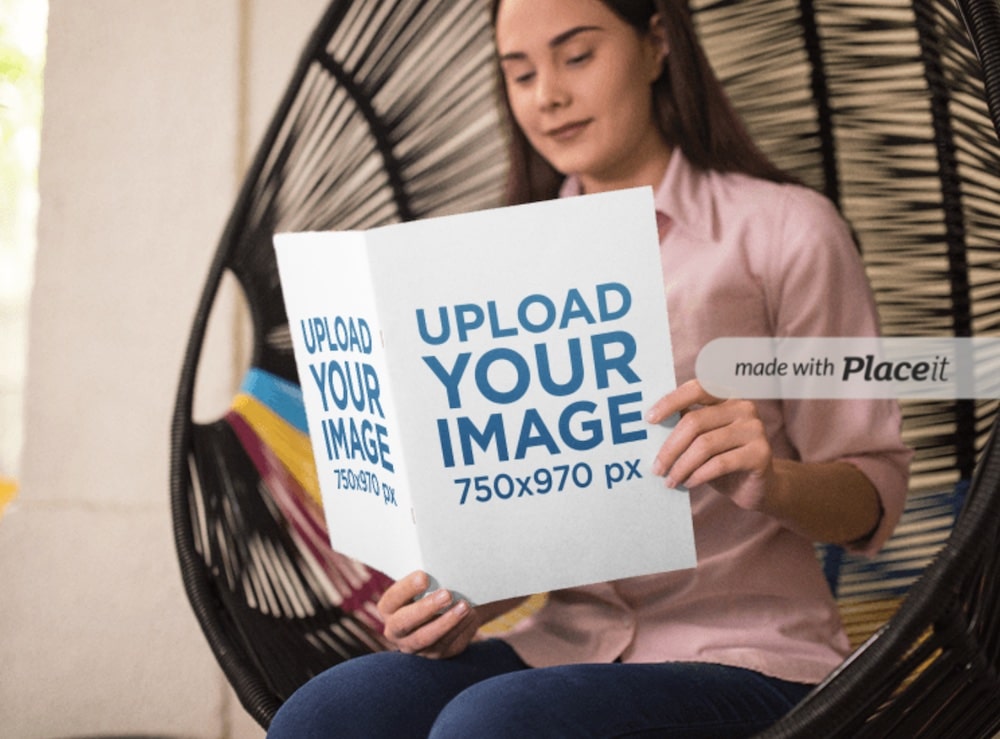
(891, 108)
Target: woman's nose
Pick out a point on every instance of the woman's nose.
(551, 91)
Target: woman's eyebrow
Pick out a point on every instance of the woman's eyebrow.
(556, 41)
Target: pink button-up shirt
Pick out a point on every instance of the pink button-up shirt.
(743, 257)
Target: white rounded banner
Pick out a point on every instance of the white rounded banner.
(851, 367)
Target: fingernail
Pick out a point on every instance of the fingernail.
(670, 482)
(442, 597)
(460, 608)
(658, 469)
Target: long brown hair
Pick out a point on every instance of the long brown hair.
(692, 110)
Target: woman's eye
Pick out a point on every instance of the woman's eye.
(524, 77)
(579, 58)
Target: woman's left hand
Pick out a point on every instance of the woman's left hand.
(718, 441)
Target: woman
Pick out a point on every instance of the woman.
(606, 94)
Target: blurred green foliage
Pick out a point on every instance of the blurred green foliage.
(21, 65)
(22, 58)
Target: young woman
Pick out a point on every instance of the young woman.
(606, 94)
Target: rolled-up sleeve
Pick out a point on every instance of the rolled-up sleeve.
(824, 292)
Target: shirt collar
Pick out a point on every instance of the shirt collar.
(684, 195)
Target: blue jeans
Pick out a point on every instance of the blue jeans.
(489, 692)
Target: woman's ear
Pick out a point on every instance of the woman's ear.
(658, 37)
(658, 30)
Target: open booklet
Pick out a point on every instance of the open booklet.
(475, 387)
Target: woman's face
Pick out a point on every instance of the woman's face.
(578, 79)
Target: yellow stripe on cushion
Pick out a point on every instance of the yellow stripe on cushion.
(863, 617)
(509, 620)
(291, 445)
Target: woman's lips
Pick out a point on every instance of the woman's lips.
(567, 131)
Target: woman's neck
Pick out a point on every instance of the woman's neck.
(650, 172)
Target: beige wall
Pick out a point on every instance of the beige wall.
(149, 108)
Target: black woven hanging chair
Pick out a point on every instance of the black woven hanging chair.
(892, 109)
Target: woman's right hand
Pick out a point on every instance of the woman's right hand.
(436, 626)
